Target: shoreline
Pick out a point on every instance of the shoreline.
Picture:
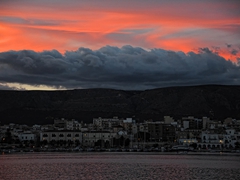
(180, 153)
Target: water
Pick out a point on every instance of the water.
(122, 166)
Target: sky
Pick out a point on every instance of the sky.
(120, 44)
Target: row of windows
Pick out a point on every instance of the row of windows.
(26, 137)
(97, 136)
(103, 136)
(70, 135)
(61, 135)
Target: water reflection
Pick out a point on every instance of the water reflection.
(117, 166)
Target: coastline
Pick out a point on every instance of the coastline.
(180, 153)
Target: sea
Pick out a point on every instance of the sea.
(118, 166)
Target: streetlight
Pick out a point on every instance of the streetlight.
(221, 142)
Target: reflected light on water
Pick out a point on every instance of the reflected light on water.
(117, 166)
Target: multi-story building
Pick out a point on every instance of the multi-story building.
(128, 124)
(161, 132)
(105, 123)
(59, 123)
(211, 140)
(90, 138)
(169, 133)
(65, 124)
(192, 123)
(156, 131)
(64, 135)
(26, 136)
(168, 120)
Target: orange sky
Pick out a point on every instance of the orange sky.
(173, 25)
(176, 25)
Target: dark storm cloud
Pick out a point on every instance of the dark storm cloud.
(234, 52)
(112, 67)
(228, 45)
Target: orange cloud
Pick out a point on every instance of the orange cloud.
(174, 26)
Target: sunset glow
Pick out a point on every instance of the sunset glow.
(171, 25)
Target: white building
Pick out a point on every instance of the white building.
(61, 136)
(106, 123)
(90, 137)
(224, 140)
(26, 136)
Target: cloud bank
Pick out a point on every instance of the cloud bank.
(130, 68)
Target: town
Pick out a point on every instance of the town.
(119, 134)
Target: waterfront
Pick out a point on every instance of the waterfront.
(118, 166)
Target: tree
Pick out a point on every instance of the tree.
(122, 139)
(8, 136)
(237, 145)
(17, 141)
(194, 145)
(99, 143)
(107, 144)
(127, 142)
(155, 145)
(53, 142)
(77, 142)
(69, 142)
(44, 142)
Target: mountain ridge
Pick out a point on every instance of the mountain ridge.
(36, 107)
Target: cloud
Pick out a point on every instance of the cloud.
(36, 22)
(234, 52)
(5, 87)
(113, 67)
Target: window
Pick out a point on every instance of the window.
(45, 135)
(53, 135)
(69, 135)
(61, 135)
(76, 135)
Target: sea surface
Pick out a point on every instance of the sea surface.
(122, 166)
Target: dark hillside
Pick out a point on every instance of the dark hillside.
(32, 107)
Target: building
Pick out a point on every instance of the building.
(128, 124)
(100, 138)
(192, 123)
(161, 132)
(26, 136)
(105, 123)
(61, 136)
(65, 124)
(169, 133)
(168, 120)
(211, 140)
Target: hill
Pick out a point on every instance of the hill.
(37, 107)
